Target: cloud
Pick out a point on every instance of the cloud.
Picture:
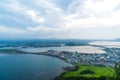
(72, 19)
(94, 13)
(34, 16)
(4, 29)
(20, 14)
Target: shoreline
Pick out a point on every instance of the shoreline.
(51, 56)
(74, 57)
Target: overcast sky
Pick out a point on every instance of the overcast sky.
(62, 19)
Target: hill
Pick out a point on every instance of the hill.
(117, 39)
(88, 72)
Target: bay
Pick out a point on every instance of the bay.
(30, 67)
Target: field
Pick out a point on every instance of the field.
(88, 72)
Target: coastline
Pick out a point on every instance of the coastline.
(75, 57)
(52, 56)
(65, 56)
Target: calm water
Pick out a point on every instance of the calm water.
(29, 67)
(108, 44)
(82, 49)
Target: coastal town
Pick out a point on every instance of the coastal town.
(108, 59)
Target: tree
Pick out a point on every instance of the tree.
(117, 69)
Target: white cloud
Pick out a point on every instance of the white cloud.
(9, 30)
(48, 19)
(93, 13)
(48, 5)
(101, 5)
(41, 28)
(34, 16)
(24, 10)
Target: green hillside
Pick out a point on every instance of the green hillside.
(88, 72)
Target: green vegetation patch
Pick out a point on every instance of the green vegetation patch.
(88, 72)
(99, 71)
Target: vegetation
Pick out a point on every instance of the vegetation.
(10, 51)
(117, 69)
(75, 44)
(89, 72)
(43, 43)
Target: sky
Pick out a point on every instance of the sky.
(59, 19)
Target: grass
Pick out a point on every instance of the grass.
(91, 72)
(98, 71)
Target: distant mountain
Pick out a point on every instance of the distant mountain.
(118, 39)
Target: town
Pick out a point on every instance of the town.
(108, 59)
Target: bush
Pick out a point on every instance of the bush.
(87, 72)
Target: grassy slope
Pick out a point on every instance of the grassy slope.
(98, 72)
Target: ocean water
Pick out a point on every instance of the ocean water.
(30, 67)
